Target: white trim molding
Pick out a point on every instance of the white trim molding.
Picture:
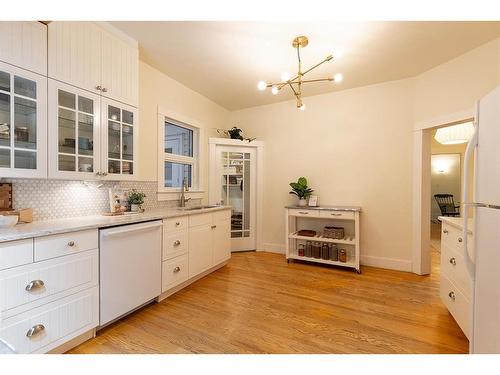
(387, 263)
(272, 248)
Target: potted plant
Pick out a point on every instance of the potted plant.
(301, 190)
(136, 199)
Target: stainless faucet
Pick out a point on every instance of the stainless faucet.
(184, 188)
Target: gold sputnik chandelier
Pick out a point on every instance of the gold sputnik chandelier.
(296, 83)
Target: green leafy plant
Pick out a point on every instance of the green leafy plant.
(300, 188)
(136, 197)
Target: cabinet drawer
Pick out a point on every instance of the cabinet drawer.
(16, 253)
(65, 244)
(221, 215)
(453, 266)
(303, 212)
(57, 323)
(453, 238)
(174, 272)
(458, 305)
(343, 215)
(175, 244)
(200, 219)
(48, 278)
(175, 223)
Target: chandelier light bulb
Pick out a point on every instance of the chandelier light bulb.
(337, 54)
(261, 85)
(275, 90)
(285, 76)
(302, 107)
(338, 77)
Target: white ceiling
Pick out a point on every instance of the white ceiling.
(224, 60)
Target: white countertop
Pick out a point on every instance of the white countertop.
(45, 228)
(328, 208)
(458, 222)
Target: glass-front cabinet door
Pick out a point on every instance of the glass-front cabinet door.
(23, 124)
(119, 140)
(74, 120)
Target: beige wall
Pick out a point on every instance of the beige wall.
(157, 89)
(354, 146)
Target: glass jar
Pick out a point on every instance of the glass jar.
(325, 251)
(308, 250)
(301, 250)
(334, 253)
(316, 248)
(343, 255)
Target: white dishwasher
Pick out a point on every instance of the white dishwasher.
(129, 267)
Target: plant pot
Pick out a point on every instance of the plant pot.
(135, 207)
(302, 202)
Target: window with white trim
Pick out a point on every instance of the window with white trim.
(180, 155)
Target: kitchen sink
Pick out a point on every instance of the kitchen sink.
(194, 208)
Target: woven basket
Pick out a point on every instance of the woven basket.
(336, 233)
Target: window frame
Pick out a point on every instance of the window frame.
(171, 193)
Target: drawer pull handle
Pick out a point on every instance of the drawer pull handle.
(35, 330)
(453, 261)
(336, 214)
(445, 231)
(177, 269)
(34, 285)
(460, 239)
(98, 87)
(452, 295)
(71, 243)
(177, 243)
(177, 224)
(303, 213)
(214, 226)
(104, 89)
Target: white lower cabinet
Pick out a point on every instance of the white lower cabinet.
(174, 272)
(200, 249)
(222, 240)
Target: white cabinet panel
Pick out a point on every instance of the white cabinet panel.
(23, 123)
(222, 240)
(174, 272)
(16, 253)
(200, 249)
(65, 244)
(120, 69)
(74, 50)
(24, 44)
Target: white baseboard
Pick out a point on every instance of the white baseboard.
(387, 263)
(273, 248)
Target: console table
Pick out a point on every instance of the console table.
(316, 218)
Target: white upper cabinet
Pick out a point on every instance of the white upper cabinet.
(23, 123)
(24, 44)
(75, 54)
(94, 57)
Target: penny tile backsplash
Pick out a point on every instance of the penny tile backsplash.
(55, 199)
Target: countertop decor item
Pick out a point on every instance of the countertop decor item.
(301, 190)
(296, 82)
(136, 200)
(306, 232)
(7, 221)
(5, 197)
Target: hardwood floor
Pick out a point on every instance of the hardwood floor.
(260, 304)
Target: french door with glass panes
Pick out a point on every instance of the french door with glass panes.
(237, 171)
(74, 132)
(119, 140)
(23, 123)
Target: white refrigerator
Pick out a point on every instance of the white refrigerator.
(484, 265)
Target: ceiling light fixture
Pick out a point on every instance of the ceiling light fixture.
(296, 82)
(456, 134)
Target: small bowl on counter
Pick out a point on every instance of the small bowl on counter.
(7, 221)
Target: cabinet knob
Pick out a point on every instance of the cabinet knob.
(35, 330)
(104, 89)
(177, 224)
(177, 243)
(34, 285)
(452, 295)
(98, 173)
(104, 173)
(98, 87)
(177, 269)
(460, 239)
(453, 261)
(214, 226)
(71, 243)
(303, 213)
(445, 231)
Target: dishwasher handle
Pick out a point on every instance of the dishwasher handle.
(127, 229)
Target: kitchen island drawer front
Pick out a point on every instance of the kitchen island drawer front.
(341, 215)
(456, 302)
(46, 327)
(453, 238)
(454, 268)
(174, 272)
(200, 219)
(16, 253)
(65, 244)
(175, 244)
(33, 282)
(303, 212)
(175, 223)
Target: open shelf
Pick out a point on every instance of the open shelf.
(346, 241)
(323, 261)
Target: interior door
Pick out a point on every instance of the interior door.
(236, 166)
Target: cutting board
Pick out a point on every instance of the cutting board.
(6, 197)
